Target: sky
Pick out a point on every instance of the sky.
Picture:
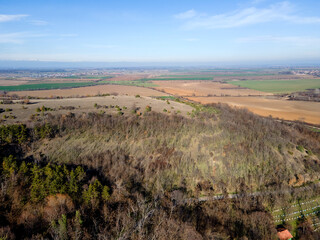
(160, 31)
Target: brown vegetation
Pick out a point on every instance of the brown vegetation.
(91, 91)
(152, 164)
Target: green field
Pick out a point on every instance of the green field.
(137, 83)
(48, 86)
(279, 86)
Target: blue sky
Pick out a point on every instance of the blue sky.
(160, 31)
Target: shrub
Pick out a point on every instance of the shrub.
(300, 148)
(137, 96)
(148, 108)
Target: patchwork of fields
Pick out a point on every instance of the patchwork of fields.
(234, 87)
(204, 88)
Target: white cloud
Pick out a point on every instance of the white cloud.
(192, 39)
(18, 37)
(9, 18)
(293, 40)
(282, 11)
(101, 46)
(68, 35)
(38, 22)
(186, 15)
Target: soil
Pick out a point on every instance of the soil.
(278, 108)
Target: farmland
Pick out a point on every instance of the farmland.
(62, 85)
(212, 86)
(204, 88)
(45, 86)
(277, 108)
(279, 86)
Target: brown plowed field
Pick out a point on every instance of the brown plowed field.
(204, 88)
(283, 109)
(11, 82)
(128, 77)
(91, 91)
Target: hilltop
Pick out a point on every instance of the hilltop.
(140, 176)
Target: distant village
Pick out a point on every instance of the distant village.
(313, 72)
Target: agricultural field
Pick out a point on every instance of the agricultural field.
(203, 88)
(279, 86)
(277, 108)
(4, 82)
(46, 86)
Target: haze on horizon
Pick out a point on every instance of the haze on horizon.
(160, 31)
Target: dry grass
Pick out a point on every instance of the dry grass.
(11, 82)
(92, 91)
(84, 105)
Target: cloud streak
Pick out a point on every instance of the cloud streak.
(18, 37)
(293, 40)
(186, 15)
(38, 22)
(101, 46)
(280, 12)
(10, 18)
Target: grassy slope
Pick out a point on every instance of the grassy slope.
(279, 86)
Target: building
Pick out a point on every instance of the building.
(283, 233)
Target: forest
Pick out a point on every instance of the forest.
(100, 176)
